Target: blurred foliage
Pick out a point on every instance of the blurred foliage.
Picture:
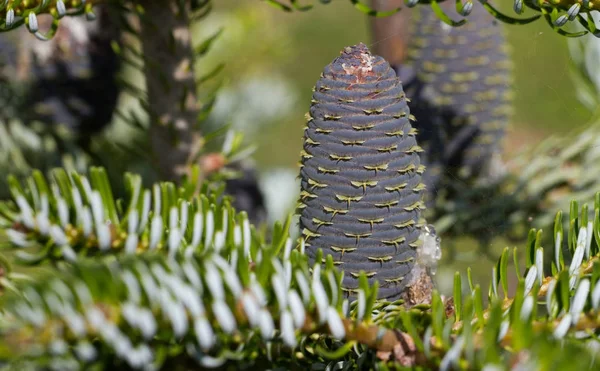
(185, 295)
(560, 15)
(129, 272)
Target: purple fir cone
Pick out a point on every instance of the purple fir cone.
(361, 197)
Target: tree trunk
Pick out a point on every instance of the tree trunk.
(171, 89)
(390, 36)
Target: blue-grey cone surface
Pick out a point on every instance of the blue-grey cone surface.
(458, 82)
(361, 196)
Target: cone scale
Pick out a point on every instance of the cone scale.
(361, 195)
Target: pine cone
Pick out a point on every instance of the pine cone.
(458, 82)
(361, 195)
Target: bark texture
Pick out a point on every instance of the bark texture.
(171, 89)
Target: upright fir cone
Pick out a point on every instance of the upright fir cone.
(458, 81)
(361, 196)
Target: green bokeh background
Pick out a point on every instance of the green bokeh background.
(299, 44)
(544, 93)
